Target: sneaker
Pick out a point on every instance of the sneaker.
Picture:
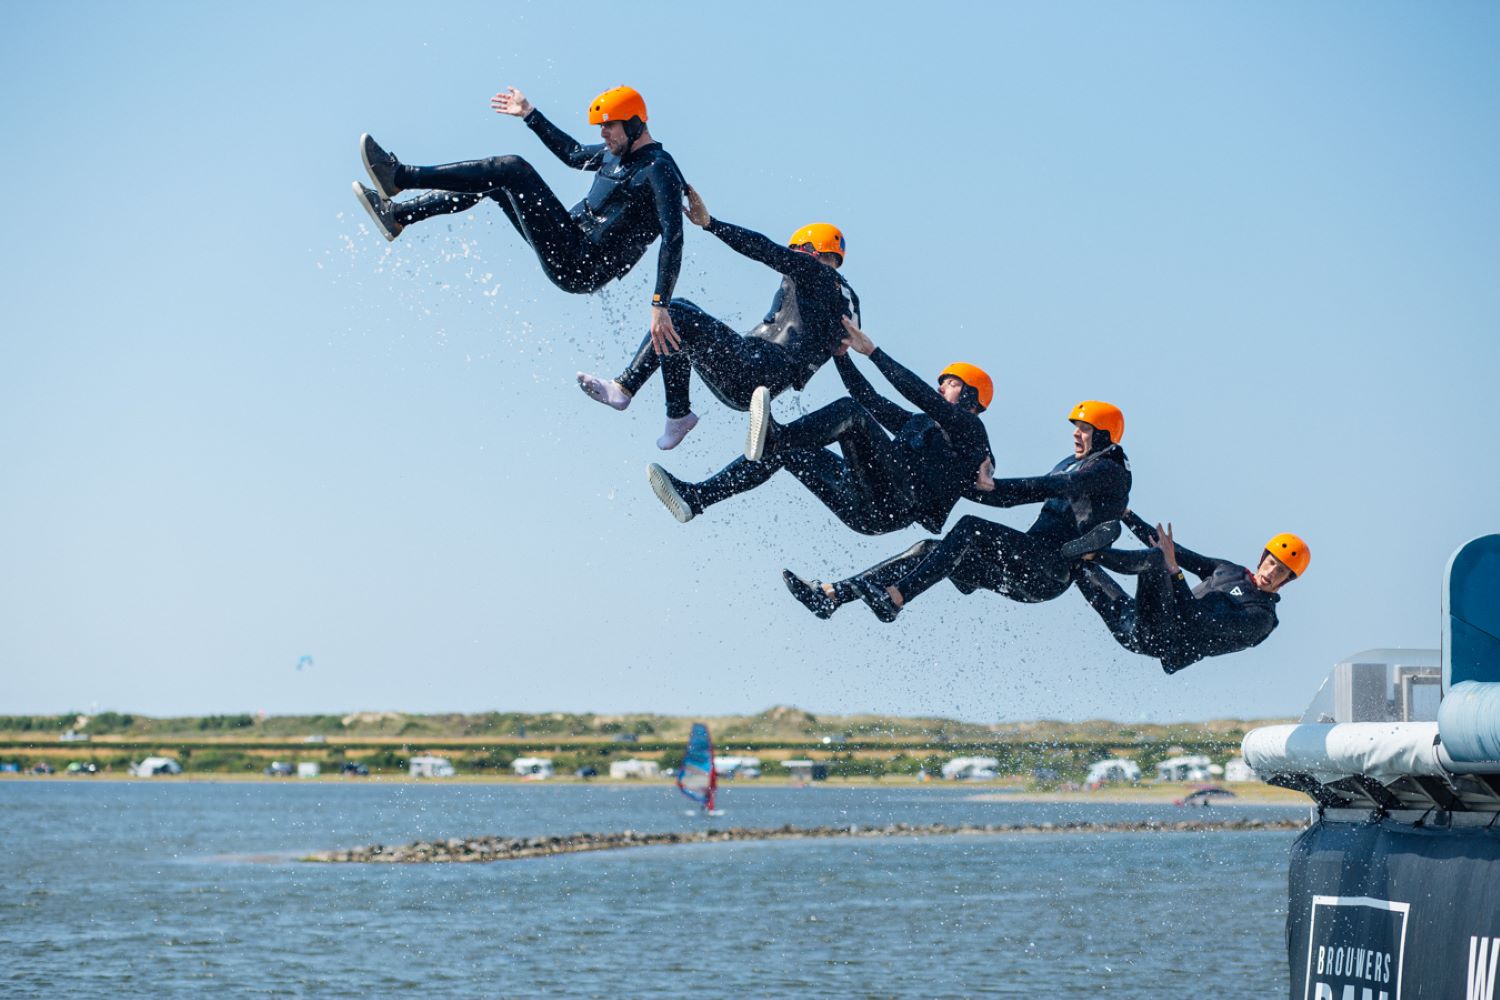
(677, 429)
(1101, 537)
(380, 211)
(381, 167)
(876, 597)
(672, 492)
(760, 424)
(810, 594)
(607, 391)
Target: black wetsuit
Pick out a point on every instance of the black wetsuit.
(881, 484)
(1225, 613)
(635, 198)
(1078, 495)
(796, 338)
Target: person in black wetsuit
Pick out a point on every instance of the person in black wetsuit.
(1082, 498)
(1232, 608)
(879, 484)
(636, 197)
(799, 334)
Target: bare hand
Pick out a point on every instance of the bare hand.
(664, 338)
(696, 211)
(1167, 546)
(511, 101)
(985, 480)
(857, 341)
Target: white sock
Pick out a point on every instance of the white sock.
(677, 429)
(610, 392)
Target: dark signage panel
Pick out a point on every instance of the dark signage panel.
(1391, 911)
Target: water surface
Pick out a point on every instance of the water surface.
(171, 888)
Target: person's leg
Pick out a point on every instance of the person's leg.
(695, 328)
(868, 488)
(1130, 561)
(513, 184)
(820, 470)
(1110, 602)
(822, 599)
(1156, 605)
(425, 206)
(839, 488)
(733, 366)
(972, 538)
(739, 476)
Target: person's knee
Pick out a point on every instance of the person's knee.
(844, 409)
(970, 526)
(918, 551)
(507, 166)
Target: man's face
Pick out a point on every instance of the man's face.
(1271, 574)
(984, 479)
(614, 137)
(950, 387)
(833, 260)
(1083, 438)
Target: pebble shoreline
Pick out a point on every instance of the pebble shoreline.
(472, 849)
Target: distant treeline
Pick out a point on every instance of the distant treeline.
(1039, 764)
(782, 723)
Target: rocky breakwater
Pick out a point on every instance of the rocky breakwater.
(467, 849)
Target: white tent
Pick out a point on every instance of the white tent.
(737, 767)
(1194, 768)
(634, 769)
(430, 767)
(1115, 769)
(971, 769)
(152, 766)
(534, 768)
(1238, 770)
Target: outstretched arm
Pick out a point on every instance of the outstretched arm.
(575, 154)
(891, 416)
(953, 419)
(1199, 565)
(1037, 489)
(793, 263)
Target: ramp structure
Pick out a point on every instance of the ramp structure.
(1394, 891)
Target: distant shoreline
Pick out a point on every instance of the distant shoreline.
(1246, 793)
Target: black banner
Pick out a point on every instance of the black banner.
(1388, 911)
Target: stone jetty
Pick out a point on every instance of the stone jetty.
(461, 849)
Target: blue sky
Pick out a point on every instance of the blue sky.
(238, 428)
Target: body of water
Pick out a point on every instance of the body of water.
(176, 889)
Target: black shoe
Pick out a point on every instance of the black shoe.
(810, 594)
(381, 167)
(876, 597)
(761, 439)
(674, 494)
(381, 212)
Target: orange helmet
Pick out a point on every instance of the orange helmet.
(1291, 551)
(975, 378)
(824, 237)
(617, 105)
(1101, 416)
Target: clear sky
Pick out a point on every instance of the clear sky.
(238, 428)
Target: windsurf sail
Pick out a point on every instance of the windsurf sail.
(696, 778)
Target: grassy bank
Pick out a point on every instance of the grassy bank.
(1042, 754)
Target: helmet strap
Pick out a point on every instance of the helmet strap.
(634, 127)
